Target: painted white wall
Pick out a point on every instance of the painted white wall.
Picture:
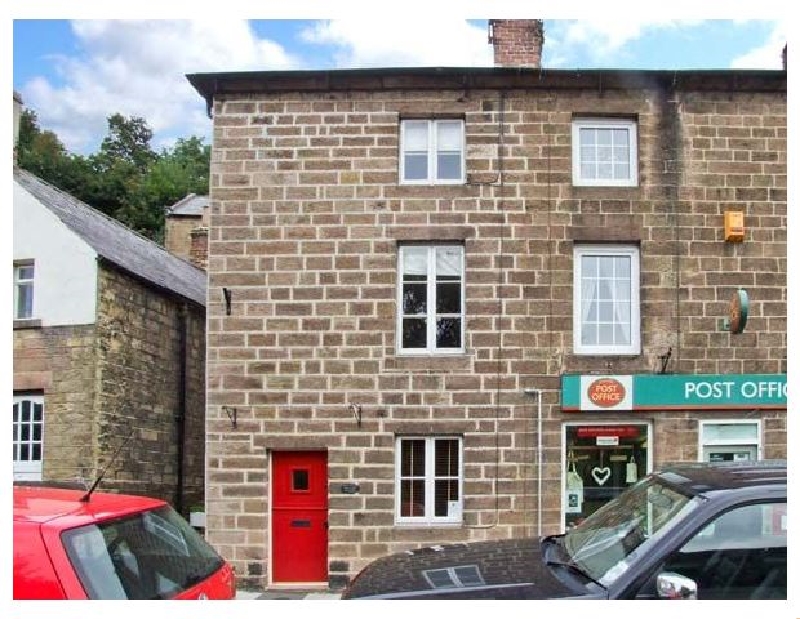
(65, 266)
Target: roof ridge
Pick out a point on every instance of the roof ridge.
(182, 201)
(81, 203)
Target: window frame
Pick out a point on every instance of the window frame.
(578, 253)
(19, 283)
(633, 151)
(430, 478)
(430, 316)
(27, 469)
(432, 151)
(704, 442)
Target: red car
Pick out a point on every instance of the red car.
(74, 544)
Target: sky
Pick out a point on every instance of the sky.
(74, 74)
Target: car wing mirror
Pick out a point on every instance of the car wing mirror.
(672, 586)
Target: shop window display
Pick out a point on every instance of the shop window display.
(601, 461)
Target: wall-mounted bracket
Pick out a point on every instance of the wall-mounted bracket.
(356, 410)
(226, 292)
(231, 413)
(665, 360)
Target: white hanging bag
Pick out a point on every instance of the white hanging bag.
(573, 499)
(631, 472)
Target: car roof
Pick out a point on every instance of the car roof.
(703, 477)
(46, 503)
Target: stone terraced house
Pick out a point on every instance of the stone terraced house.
(451, 304)
(108, 343)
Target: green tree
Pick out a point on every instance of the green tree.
(125, 179)
(172, 175)
(43, 154)
(128, 140)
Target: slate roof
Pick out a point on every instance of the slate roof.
(190, 205)
(118, 244)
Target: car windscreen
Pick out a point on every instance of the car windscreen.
(154, 554)
(612, 538)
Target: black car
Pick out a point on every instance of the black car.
(695, 531)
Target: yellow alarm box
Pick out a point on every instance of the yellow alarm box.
(734, 226)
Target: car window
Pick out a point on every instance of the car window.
(739, 555)
(612, 539)
(151, 555)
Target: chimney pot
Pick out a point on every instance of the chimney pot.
(198, 250)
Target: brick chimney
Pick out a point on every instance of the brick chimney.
(17, 117)
(783, 56)
(198, 249)
(517, 42)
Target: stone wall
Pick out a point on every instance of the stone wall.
(306, 216)
(138, 339)
(178, 234)
(59, 363)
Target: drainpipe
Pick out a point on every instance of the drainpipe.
(538, 393)
(180, 417)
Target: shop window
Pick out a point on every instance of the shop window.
(429, 480)
(600, 461)
(604, 152)
(430, 299)
(606, 300)
(432, 152)
(730, 441)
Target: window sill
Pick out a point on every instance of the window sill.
(602, 354)
(596, 185)
(27, 323)
(427, 525)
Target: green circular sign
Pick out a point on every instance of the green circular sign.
(739, 308)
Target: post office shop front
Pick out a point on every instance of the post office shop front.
(617, 428)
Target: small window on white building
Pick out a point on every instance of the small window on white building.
(432, 151)
(730, 441)
(23, 291)
(428, 480)
(430, 299)
(27, 446)
(604, 152)
(606, 300)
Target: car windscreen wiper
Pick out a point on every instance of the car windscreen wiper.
(572, 567)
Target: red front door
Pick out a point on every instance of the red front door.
(299, 516)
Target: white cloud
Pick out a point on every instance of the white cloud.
(603, 37)
(408, 41)
(766, 56)
(138, 68)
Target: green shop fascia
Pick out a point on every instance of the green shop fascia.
(654, 392)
